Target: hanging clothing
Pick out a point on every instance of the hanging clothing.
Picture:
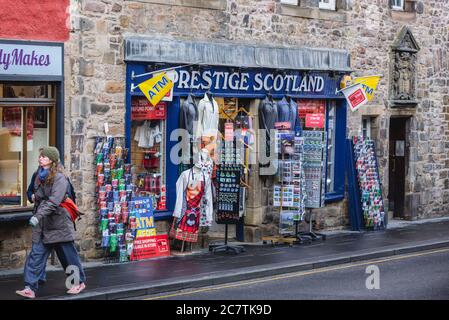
(268, 116)
(189, 114)
(208, 117)
(147, 136)
(294, 114)
(297, 122)
(187, 200)
(283, 108)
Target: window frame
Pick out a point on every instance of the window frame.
(290, 2)
(366, 127)
(331, 5)
(338, 192)
(26, 103)
(398, 8)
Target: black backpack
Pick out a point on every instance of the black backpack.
(71, 191)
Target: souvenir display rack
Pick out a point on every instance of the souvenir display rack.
(114, 191)
(365, 188)
(228, 194)
(315, 175)
(314, 155)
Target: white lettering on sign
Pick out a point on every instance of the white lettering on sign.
(221, 80)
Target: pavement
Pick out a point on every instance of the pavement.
(204, 268)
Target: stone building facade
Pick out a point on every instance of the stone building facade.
(369, 30)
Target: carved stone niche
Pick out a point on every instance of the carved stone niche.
(403, 70)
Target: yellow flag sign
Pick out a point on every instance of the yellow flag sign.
(156, 88)
(369, 84)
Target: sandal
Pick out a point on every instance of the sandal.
(26, 293)
(77, 289)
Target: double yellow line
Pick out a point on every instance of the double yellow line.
(299, 274)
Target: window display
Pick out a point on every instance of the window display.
(19, 160)
(148, 156)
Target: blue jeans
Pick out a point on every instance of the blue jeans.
(68, 256)
(37, 259)
(35, 265)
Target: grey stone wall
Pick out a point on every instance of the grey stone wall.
(97, 78)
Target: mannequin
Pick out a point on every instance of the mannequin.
(193, 201)
(207, 127)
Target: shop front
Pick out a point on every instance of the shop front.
(227, 123)
(31, 116)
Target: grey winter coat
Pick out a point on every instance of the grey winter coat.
(55, 224)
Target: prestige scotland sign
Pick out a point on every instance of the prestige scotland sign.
(248, 81)
(28, 59)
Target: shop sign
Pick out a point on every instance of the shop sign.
(156, 87)
(355, 96)
(169, 95)
(249, 81)
(30, 59)
(150, 247)
(369, 84)
(310, 106)
(144, 218)
(315, 120)
(235, 81)
(141, 109)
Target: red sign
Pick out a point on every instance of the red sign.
(141, 109)
(356, 98)
(150, 247)
(310, 106)
(315, 120)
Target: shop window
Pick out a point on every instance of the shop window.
(319, 115)
(29, 110)
(331, 125)
(148, 157)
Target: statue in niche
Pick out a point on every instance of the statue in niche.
(403, 70)
(403, 76)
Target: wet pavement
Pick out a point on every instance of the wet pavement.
(169, 273)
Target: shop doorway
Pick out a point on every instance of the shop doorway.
(397, 166)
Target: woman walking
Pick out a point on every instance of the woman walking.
(52, 225)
